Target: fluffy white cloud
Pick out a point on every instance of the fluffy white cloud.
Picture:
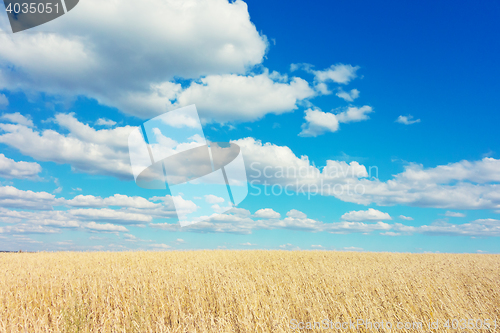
(15, 198)
(105, 122)
(22, 170)
(4, 101)
(348, 96)
(84, 148)
(461, 185)
(17, 118)
(213, 199)
(366, 215)
(267, 213)
(407, 218)
(407, 120)
(28, 229)
(106, 214)
(477, 228)
(295, 220)
(274, 164)
(319, 122)
(296, 214)
(339, 73)
(353, 248)
(454, 214)
(119, 200)
(130, 51)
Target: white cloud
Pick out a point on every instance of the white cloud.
(84, 148)
(348, 96)
(339, 73)
(407, 218)
(461, 185)
(106, 214)
(105, 122)
(22, 170)
(353, 248)
(477, 228)
(317, 246)
(267, 213)
(319, 122)
(103, 227)
(116, 200)
(213, 199)
(407, 120)
(15, 198)
(65, 56)
(161, 246)
(17, 118)
(4, 101)
(454, 214)
(28, 229)
(366, 215)
(180, 240)
(390, 233)
(252, 96)
(296, 214)
(248, 244)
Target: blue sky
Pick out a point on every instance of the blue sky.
(405, 94)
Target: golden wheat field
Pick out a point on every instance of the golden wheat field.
(248, 291)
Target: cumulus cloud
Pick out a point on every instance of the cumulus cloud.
(477, 228)
(14, 198)
(234, 97)
(366, 215)
(4, 101)
(454, 214)
(161, 246)
(87, 150)
(105, 122)
(213, 199)
(21, 170)
(407, 218)
(103, 227)
(295, 220)
(353, 248)
(339, 73)
(460, 185)
(64, 57)
(17, 118)
(296, 214)
(319, 122)
(106, 214)
(407, 120)
(348, 96)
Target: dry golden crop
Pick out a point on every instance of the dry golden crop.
(245, 291)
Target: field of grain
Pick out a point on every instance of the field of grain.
(245, 291)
